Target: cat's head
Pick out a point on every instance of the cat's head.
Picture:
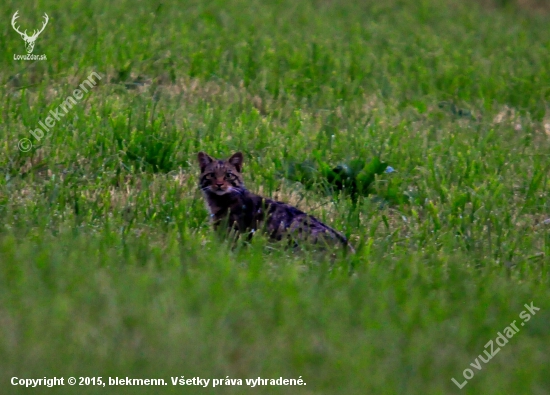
(221, 176)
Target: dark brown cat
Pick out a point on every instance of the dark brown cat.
(229, 201)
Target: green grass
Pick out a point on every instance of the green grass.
(108, 266)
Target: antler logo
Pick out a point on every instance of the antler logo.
(29, 40)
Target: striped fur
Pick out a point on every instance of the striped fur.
(230, 202)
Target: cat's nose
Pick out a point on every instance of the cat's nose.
(219, 184)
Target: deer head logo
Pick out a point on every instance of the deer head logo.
(29, 40)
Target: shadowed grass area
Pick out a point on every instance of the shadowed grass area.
(108, 266)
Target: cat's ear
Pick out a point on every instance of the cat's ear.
(204, 160)
(237, 161)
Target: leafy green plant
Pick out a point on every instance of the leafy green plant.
(354, 178)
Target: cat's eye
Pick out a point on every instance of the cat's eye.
(230, 176)
(210, 175)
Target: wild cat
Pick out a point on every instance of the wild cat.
(228, 201)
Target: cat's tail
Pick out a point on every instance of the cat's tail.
(350, 248)
(343, 239)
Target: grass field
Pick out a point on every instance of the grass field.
(109, 268)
